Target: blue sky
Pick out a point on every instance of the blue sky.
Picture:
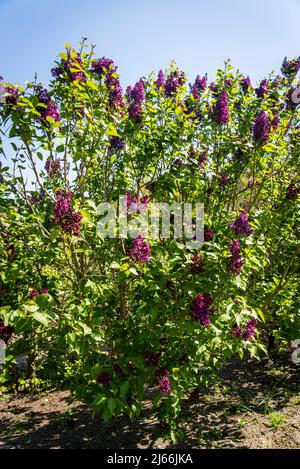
(142, 36)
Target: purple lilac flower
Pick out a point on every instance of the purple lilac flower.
(261, 128)
(262, 90)
(6, 332)
(235, 263)
(152, 358)
(246, 84)
(160, 82)
(199, 85)
(241, 225)
(162, 372)
(201, 309)
(139, 250)
(250, 329)
(275, 121)
(50, 111)
(173, 82)
(197, 264)
(65, 216)
(13, 93)
(43, 291)
(134, 205)
(208, 234)
(137, 93)
(292, 191)
(116, 143)
(164, 385)
(290, 67)
(221, 111)
(100, 66)
(213, 87)
(292, 103)
(224, 179)
(105, 67)
(202, 159)
(53, 167)
(104, 378)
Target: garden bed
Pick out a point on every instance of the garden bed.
(256, 405)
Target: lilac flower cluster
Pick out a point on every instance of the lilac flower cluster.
(105, 67)
(136, 96)
(164, 385)
(224, 179)
(291, 67)
(6, 332)
(139, 250)
(292, 191)
(262, 90)
(241, 224)
(12, 95)
(246, 332)
(53, 167)
(261, 128)
(221, 110)
(201, 309)
(33, 293)
(65, 216)
(235, 263)
(134, 205)
(160, 82)
(104, 378)
(116, 143)
(246, 84)
(199, 85)
(49, 108)
(38, 198)
(208, 234)
(202, 159)
(197, 264)
(275, 121)
(152, 358)
(173, 82)
(71, 67)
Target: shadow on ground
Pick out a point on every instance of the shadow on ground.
(256, 405)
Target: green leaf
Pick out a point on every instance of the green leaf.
(40, 317)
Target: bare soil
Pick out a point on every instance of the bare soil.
(255, 405)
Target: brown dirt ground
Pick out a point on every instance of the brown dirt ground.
(256, 405)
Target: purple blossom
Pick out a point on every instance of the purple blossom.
(201, 309)
(208, 234)
(202, 159)
(197, 264)
(241, 225)
(104, 378)
(291, 67)
(275, 121)
(262, 90)
(65, 216)
(137, 93)
(139, 250)
(104, 65)
(53, 167)
(160, 82)
(224, 179)
(199, 85)
(164, 385)
(50, 111)
(292, 191)
(221, 111)
(6, 332)
(250, 329)
(261, 128)
(246, 84)
(13, 94)
(116, 143)
(235, 263)
(173, 82)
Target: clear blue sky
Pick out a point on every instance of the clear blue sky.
(142, 36)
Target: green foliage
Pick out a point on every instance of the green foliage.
(104, 314)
